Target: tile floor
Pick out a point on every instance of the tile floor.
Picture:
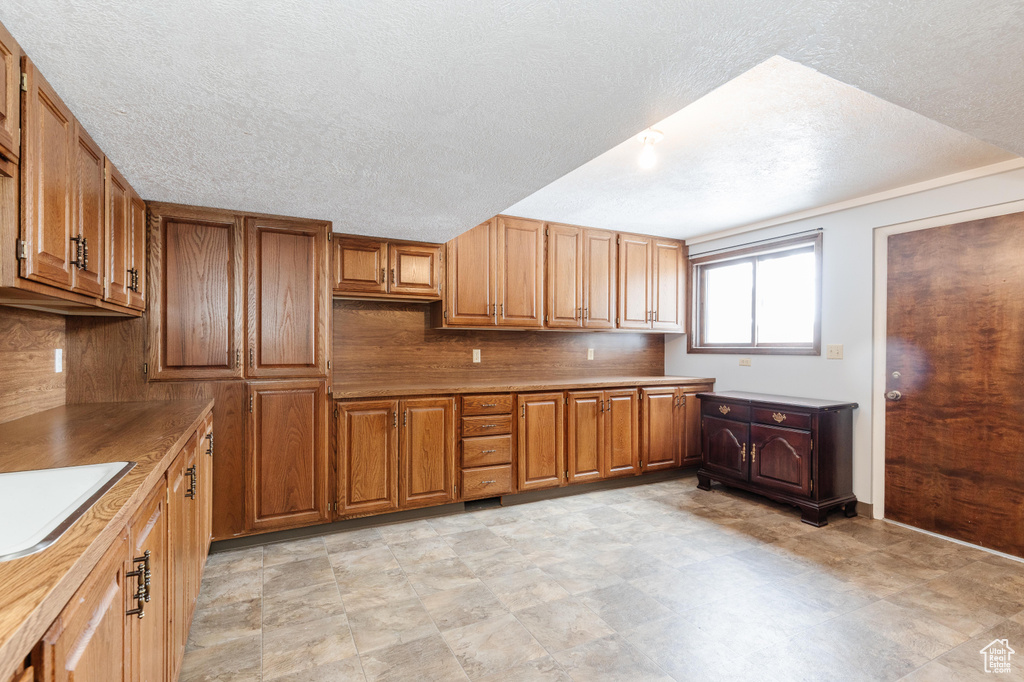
(658, 581)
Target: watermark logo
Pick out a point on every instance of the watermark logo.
(997, 656)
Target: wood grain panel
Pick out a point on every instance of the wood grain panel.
(10, 95)
(669, 283)
(88, 224)
(565, 276)
(634, 282)
(427, 452)
(471, 273)
(661, 448)
(415, 270)
(585, 436)
(599, 290)
(541, 440)
(520, 267)
(367, 466)
(622, 433)
(119, 238)
(138, 229)
(360, 266)
(148, 532)
(28, 383)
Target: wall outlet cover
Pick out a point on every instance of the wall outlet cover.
(744, 362)
(476, 355)
(834, 351)
(590, 354)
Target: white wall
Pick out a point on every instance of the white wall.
(846, 315)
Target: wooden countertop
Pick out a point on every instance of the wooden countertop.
(34, 589)
(363, 390)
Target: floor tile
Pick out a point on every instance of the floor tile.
(526, 588)
(293, 648)
(422, 659)
(226, 621)
(347, 541)
(538, 670)
(492, 646)
(294, 550)
(623, 606)
(446, 574)
(474, 541)
(610, 659)
(396, 623)
(235, 561)
(406, 532)
(563, 624)
(423, 551)
(286, 577)
(462, 606)
(236, 660)
(302, 605)
(496, 562)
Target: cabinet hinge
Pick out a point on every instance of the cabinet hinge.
(455, 490)
(330, 390)
(145, 368)
(545, 319)
(616, 320)
(329, 235)
(618, 239)
(567, 474)
(336, 412)
(328, 364)
(250, 403)
(24, 82)
(546, 233)
(446, 314)
(22, 252)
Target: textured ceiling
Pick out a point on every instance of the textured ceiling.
(420, 118)
(778, 139)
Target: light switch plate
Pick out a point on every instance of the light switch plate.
(834, 351)
(476, 355)
(58, 360)
(744, 362)
(590, 354)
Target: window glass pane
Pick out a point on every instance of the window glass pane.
(727, 314)
(785, 299)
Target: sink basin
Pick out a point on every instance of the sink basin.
(36, 507)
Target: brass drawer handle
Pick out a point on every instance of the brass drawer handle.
(724, 409)
(743, 453)
(753, 454)
(778, 417)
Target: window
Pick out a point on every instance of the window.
(762, 299)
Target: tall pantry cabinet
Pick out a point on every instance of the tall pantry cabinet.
(246, 297)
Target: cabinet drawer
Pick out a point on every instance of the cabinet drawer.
(487, 404)
(486, 426)
(486, 450)
(725, 410)
(794, 420)
(486, 482)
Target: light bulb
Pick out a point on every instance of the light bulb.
(647, 157)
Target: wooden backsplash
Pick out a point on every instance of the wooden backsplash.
(28, 383)
(394, 342)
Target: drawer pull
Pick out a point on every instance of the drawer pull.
(724, 409)
(778, 417)
(488, 482)
(487, 452)
(488, 404)
(488, 426)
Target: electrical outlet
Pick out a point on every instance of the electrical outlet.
(58, 360)
(476, 355)
(834, 351)
(744, 362)
(590, 354)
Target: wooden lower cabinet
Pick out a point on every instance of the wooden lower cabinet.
(148, 539)
(367, 467)
(670, 428)
(426, 452)
(541, 440)
(603, 435)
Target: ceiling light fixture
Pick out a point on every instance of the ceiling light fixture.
(649, 138)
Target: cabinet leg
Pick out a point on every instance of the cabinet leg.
(703, 482)
(850, 509)
(814, 516)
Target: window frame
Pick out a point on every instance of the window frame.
(695, 342)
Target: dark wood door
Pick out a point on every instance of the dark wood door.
(634, 282)
(119, 239)
(47, 182)
(725, 445)
(668, 285)
(10, 97)
(781, 458)
(177, 562)
(88, 216)
(367, 465)
(541, 444)
(520, 272)
(955, 336)
(90, 639)
(289, 298)
(137, 229)
(196, 311)
(471, 278)
(415, 270)
(622, 433)
(286, 443)
(585, 436)
(565, 276)
(360, 266)
(599, 290)
(148, 532)
(426, 452)
(660, 430)
(688, 427)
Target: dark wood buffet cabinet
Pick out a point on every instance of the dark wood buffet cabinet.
(793, 450)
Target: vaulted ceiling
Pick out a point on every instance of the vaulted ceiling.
(418, 119)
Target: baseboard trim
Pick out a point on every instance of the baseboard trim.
(865, 509)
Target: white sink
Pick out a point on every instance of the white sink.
(36, 507)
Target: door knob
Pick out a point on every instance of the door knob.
(893, 395)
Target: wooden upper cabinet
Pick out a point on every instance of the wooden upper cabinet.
(622, 433)
(289, 298)
(668, 285)
(415, 270)
(367, 466)
(471, 278)
(660, 428)
(360, 266)
(148, 532)
(565, 276)
(634, 282)
(47, 186)
(373, 268)
(286, 454)
(520, 272)
(598, 283)
(541, 440)
(10, 100)
(585, 435)
(427, 452)
(88, 223)
(137, 230)
(119, 239)
(197, 304)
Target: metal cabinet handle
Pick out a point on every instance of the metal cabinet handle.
(252, 357)
(488, 426)
(487, 452)
(142, 575)
(753, 454)
(209, 449)
(489, 405)
(238, 359)
(743, 453)
(85, 253)
(487, 482)
(191, 473)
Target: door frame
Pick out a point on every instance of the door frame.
(879, 330)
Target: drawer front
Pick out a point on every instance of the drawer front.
(485, 451)
(487, 404)
(486, 426)
(725, 410)
(486, 482)
(793, 420)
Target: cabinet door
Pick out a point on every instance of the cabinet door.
(427, 452)
(565, 276)
(688, 427)
(634, 282)
(541, 448)
(197, 304)
(367, 465)
(599, 291)
(177, 562)
(89, 216)
(471, 278)
(10, 100)
(289, 299)
(119, 239)
(781, 458)
(586, 436)
(520, 272)
(47, 182)
(725, 446)
(137, 231)
(193, 528)
(660, 435)
(90, 639)
(148, 533)
(206, 484)
(286, 444)
(668, 286)
(415, 270)
(360, 266)
(622, 437)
